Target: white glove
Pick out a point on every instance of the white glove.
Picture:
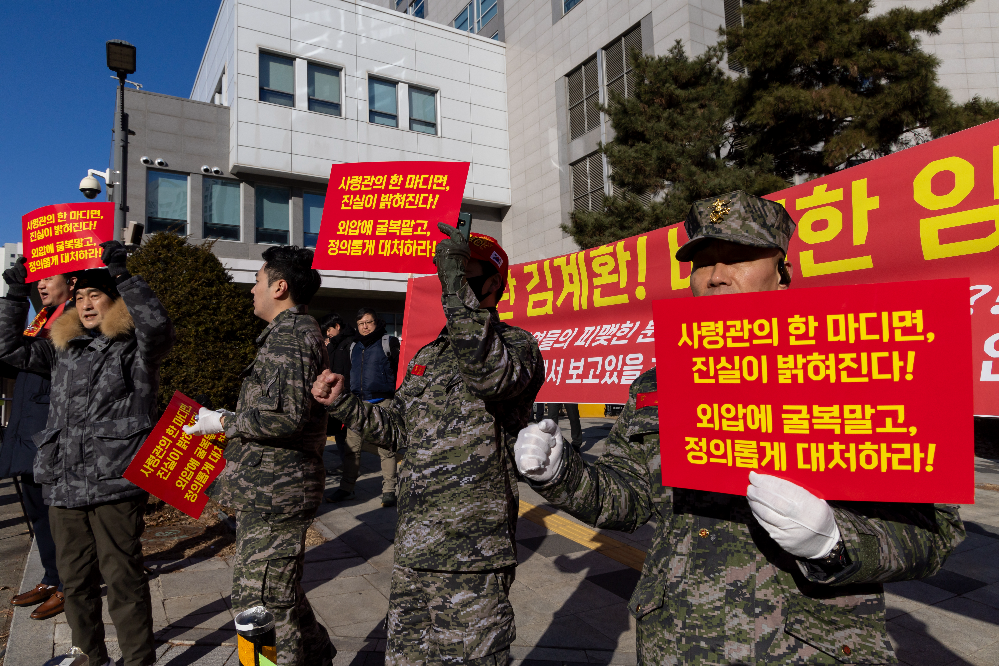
(538, 450)
(800, 522)
(207, 422)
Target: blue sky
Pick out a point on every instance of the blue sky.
(59, 100)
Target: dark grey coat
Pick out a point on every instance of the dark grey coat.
(103, 396)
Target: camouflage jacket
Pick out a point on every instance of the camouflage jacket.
(458, 411)
(723, 591)
(103, 393)
(274, 459)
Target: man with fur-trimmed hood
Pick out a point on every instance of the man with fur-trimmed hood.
(104, 357)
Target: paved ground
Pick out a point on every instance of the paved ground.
(569, 598)
(14, 545)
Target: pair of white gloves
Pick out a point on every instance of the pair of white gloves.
(798, 521)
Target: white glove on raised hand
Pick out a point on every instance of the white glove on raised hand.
(209, 422)
(798, 521)
(538, 450)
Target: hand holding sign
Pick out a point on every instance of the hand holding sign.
(797, 520)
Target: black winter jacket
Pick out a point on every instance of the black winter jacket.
(104, 390)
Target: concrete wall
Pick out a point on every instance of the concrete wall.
(967, 46)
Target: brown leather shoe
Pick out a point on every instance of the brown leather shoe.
(36, 595)
(53, 606)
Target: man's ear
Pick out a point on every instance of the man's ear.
(71, 282)
(784, 273)
(280, 287)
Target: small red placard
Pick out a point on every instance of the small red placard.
(174, 466)
(854, 393)
(383, 216)
(63, 238)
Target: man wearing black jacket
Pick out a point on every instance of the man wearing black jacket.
(29, 411)
(373, 361)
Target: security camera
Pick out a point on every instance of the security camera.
(217, 171)
(90, 187)
(206, 169)
(145, 160)
(160, 162)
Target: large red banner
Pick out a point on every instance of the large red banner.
(63, 238)
(383, 216)
(175, 466)
(851, 392)
(926, 212)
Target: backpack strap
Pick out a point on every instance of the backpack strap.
(385, 345)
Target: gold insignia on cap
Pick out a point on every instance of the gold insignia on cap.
(719, 210)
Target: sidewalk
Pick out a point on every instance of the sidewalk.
(569, 596)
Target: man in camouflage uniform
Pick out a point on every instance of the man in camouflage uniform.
(104, 357)
(463, 400)
(778, 576)
(274, 475)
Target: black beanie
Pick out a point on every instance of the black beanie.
(97, 278)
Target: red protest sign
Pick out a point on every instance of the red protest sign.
(383, 216)
(174, 466)
(65, 237)
(854, 393)
(928, 212)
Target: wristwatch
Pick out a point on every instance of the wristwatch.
(836, 558)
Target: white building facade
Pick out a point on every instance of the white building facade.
(287, 88)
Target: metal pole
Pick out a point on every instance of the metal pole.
(20, 498)
(121, 188)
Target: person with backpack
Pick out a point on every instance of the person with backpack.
(339, 338)
(374, 359)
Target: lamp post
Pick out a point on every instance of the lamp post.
(121, 61)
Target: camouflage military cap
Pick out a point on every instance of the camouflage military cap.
(737, 217)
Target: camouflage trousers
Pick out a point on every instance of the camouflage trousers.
(267, 570)
(449, 618)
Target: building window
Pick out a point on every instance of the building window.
(272, 214)
(485, 10)
(734, 19)
(569, 4)
(496, 35)
(393, 323)
(382, 103)
(618, 62)
(324, 89)
(221, 209)
(423, 114)
(583, 99)
(277, 80)
(464, 20)
(416, 9)
(166, 202)
(588, 183)
(312, 214)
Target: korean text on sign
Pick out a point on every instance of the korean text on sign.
(175, 466)
(65, 237)
(383, 216)
(866, 386)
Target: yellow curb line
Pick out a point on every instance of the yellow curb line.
(616, 550)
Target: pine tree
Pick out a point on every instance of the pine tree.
(214, 319)
(828, 85)
(672, 138)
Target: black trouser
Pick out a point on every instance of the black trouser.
(38, 514)
(102, 540)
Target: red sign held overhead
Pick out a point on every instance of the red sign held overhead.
(383, 216)
(174, 466)
(855, 393)
(66, 237)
